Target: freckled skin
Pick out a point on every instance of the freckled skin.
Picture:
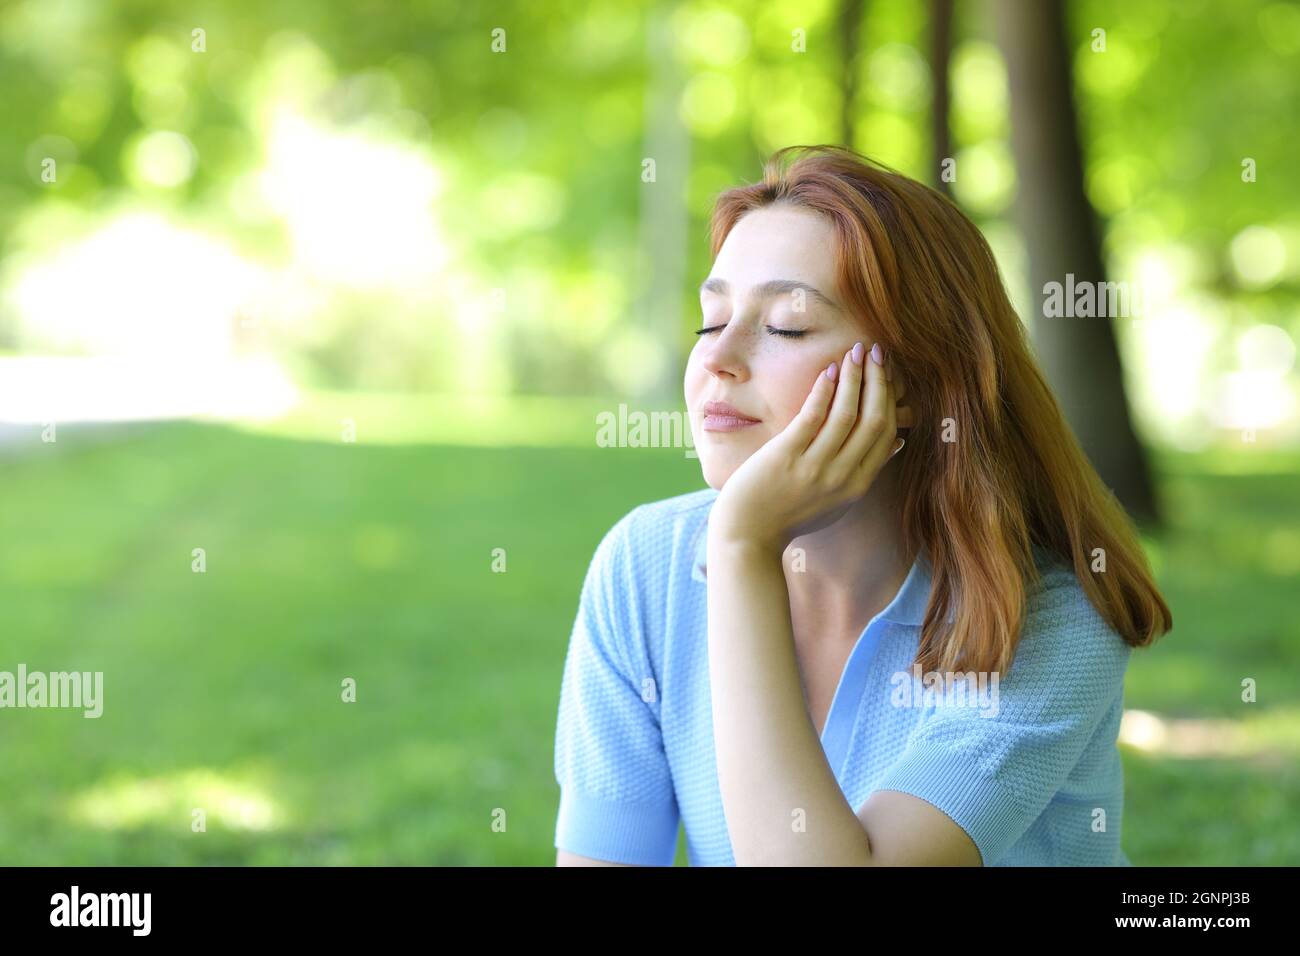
(766, 376)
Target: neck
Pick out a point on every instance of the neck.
(851, 568)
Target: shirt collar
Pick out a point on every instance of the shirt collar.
(907, 607)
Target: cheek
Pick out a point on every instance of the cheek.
(790, 383)
(694, 378)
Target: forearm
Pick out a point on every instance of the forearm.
(782, 802)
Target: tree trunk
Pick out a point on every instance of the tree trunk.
(1078, 355)
(851, 13)
(664, 217)
(940, 101)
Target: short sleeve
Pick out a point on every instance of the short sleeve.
(995, 764)
(617, 801)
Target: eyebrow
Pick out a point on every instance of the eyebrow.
(767, 290)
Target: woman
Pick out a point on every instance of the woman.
(851, 650)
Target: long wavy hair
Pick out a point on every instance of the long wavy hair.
(1010, 476)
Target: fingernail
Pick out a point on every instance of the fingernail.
(898, 446)
(877, 356)
(857, 353)
(830, 371)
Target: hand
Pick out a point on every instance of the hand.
(807, 476)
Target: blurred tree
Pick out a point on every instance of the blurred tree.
(1079, 355)
(534, 127)
(850, 32)
(664, 215)
(940, 99)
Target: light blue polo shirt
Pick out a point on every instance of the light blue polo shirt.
(1028, 767)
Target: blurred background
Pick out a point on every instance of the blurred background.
(310, 314)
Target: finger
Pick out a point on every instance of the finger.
(803, 427)
(880, 456)
(904, 417)
(876, 413)
(844, 408)
(885, 447)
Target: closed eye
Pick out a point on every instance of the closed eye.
(787, 333)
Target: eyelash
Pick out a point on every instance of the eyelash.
(785, 333)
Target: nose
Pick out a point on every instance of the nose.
(726, 352)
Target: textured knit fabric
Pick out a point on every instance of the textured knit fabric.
(1034, 780)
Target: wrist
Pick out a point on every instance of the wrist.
(733, 540)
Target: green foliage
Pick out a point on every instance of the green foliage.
(525, 161)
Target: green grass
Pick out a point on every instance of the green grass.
(328, 561)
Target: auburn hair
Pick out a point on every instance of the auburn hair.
(1010, 476)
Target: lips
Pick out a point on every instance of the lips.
(725, 417)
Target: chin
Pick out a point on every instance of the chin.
(716, 472)
(720, 459)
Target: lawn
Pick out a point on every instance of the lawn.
(328, 560)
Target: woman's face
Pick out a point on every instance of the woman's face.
(773, 274)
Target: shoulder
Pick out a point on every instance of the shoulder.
(675, 510)
(653, 533)
(637, 565)
(1062, 628)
